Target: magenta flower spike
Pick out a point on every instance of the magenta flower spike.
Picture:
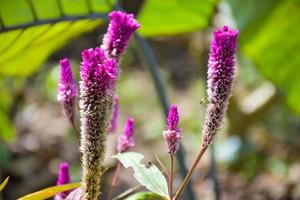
(63, 178)
(126, 140)
(120, 30)
(114, 117)
(173, 134)
(221, 72)
(67, 90)
(97, 87)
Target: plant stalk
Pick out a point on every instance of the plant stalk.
(188, 176)
(171, 176)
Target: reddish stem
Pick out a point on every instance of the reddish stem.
(171, 177)
(114, 181)
(188, 176)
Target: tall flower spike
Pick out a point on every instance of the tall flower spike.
(221, 72)
(97, 86)
(126, 139)
(120, 30)
(63, 178)
(114, 116)
(67, 90)
(173, 134)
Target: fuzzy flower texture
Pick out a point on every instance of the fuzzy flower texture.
(67, 89)
(173, 134)
(120, 30)
(98, 81)
(221, 72)
(63, 178)
(126, 139)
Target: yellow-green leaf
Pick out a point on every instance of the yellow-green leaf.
(50, 192)
(3, 184)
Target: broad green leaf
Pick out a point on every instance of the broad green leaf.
(148, 176)
(48, 27)
(3, 184)
(50, 192)
(170, 17)
(144, 196)
(270, 37)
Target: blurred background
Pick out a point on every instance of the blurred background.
(257, 148)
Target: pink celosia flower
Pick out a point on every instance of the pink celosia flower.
(173, 134)
(120, 30)
(114, 117)
(126, 139)
(67, 89)
(63, 178)
(221, 71)
(98, 81)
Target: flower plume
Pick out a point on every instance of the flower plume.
(221, 72)
(126, 139)
(98, 81)
(67, 90)
(173, 134)
(120, 30)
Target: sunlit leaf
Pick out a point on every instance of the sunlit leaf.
(270, 37)
(32, 30)
(3, 184)
(148, 176)
(170, 17)
(50, 192)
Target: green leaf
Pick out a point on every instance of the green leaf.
(170, 17)
(50, 192)
(32, 30)
(144, 196)
(270, 37)
(3, 184)
(149, 176)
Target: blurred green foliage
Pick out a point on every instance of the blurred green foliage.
(169, 17)
(270, 38)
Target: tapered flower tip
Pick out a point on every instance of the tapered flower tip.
(124, 19)
(63, 174)
(221, 67)
(173, 118)
(67, 88)
(129, 128)
(126, 140)
(120, 30)
(225, 39)
(96, 66)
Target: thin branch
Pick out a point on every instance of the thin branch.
(163, 168)
(171, 177)
(127, 193)
(188, 176)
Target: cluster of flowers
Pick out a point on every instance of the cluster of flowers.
(99, 73)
